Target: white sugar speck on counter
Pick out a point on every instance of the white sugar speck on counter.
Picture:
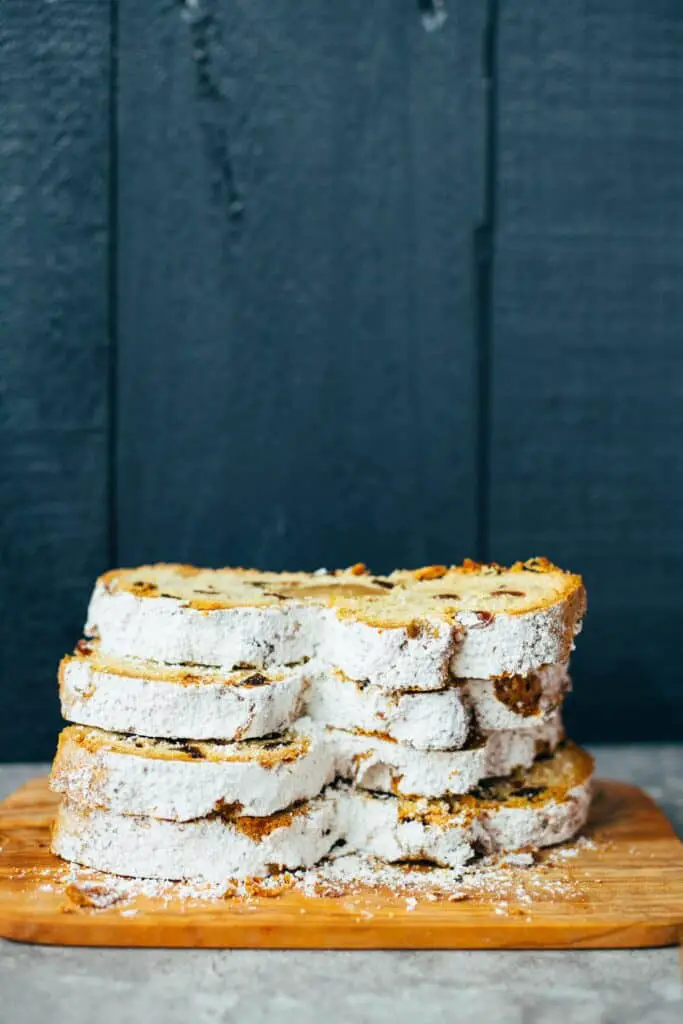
(519, 860)
(517, 879)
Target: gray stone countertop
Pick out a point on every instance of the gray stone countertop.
(45, 985)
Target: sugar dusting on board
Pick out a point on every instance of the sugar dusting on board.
(511, 883)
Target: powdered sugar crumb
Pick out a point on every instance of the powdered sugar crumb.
(509, 882)
(570, 850)
(519, 860)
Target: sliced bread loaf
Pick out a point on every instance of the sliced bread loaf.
(147, 698)
(176, 701)
(182, 780)
(376, 762)
(437, 719)
(411, 630)
(545, 804)
(216, 848)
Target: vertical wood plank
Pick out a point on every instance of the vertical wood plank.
(587, 389)
(299, 183)
(54, 70)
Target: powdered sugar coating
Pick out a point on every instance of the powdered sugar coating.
(210, 849)
(427, 641)
(126, 780)
(163, 629)
(215, 850)
(141, 698)
(379, 764)
(432, 720)
(392, 658)
(513, 644)
(149, 706)
(372, 825)
(436, 719)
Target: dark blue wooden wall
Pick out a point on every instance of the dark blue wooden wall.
(307, 283)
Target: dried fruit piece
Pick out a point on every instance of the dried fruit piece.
(430, 572)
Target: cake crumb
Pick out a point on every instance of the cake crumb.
(91, 895)
(520, 880)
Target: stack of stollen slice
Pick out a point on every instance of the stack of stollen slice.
(233, 723)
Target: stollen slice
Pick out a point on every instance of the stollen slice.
(411, 630)
(148, 698)
(539, 806)
(215, 848)
(376, 762)
(181, 780)
(437, 719)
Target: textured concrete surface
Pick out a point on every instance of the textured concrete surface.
(39, 984)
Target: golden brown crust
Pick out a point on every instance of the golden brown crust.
(548, 779)
(405, 598)
(86, 652)
(568, 586)
(266, 752)
(256, 828)
(430, 572)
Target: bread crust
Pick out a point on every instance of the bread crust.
(181, 781)
(382, 765)
(449, 833)
(208, 849)
(405, 631)
(176, 701)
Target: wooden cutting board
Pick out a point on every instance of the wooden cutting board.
(623, 888)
